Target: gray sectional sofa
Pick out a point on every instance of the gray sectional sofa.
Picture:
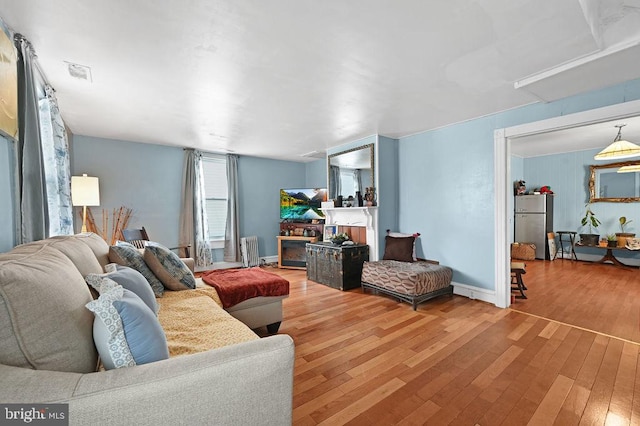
(47, 352)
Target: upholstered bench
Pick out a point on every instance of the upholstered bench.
(412, 282)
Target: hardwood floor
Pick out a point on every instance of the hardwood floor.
(366, 359)
(598, 297)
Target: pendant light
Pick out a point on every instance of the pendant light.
(619, 149)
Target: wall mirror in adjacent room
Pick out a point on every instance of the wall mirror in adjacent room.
(607, 184)
(351, 171)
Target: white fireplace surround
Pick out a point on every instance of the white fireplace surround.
(357, 216)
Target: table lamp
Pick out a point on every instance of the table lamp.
(85, 191)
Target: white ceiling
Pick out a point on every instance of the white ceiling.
(282, 78)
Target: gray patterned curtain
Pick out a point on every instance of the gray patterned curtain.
(32, 222)
(357, 178)
(194, 228)
(43, 174)
(55, 154)
(232, 230)
(334, 182)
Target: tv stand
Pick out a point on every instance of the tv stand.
(296, 229)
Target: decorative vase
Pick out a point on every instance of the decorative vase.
(589, 239)
(622, 238)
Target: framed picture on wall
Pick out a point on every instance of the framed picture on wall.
(329, 232)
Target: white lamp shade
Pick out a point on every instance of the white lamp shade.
(618, 150)
(85, 191)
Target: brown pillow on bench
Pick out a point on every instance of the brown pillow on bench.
(398, 248)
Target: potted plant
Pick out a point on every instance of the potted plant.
(592, 222)
(612, 240)
(622, 236)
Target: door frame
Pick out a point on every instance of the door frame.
(503, 209)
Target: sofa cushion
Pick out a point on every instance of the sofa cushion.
(125, 330)
(167, 266)
(78, 252)
(127, 255)
(45, 325)
(99, 246)
(129, 279)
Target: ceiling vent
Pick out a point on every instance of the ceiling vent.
(81, 72)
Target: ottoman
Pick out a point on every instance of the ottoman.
(252, 295)
(412, 282)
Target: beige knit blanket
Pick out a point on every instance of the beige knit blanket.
(194, 321)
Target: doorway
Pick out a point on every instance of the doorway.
(502, 176)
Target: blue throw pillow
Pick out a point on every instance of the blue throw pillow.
(168, 267)
(127, 255)
(126, 332)
(129, 279)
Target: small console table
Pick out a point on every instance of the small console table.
(608, 256)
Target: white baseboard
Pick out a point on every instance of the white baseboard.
(268, 259)
(476, 293)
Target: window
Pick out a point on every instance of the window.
(348, 182)
(214, 169)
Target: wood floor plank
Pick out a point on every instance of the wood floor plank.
(573, 406)
(552, 402)
(622, 397)
(365, 359)
(597, 406)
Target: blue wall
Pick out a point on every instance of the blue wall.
(387, 190)
(316, 174)
(148, 179)
(260, 181)
(568, 176)
(144, 177)
(6, 195)
(446, 182)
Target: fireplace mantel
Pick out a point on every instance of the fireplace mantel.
(357, 216)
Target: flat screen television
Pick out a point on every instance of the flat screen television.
(302, 203)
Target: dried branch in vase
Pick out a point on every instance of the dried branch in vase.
(119, 220)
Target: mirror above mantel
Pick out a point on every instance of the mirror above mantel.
(606, 184)
(350, 171)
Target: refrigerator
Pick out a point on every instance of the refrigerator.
(533, 220)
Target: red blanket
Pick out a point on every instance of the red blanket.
(237, 285)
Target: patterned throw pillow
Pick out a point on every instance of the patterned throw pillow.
(127, 255)
(168, 267)
(126, 332)
(129, 279)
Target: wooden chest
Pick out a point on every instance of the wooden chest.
(336, 266)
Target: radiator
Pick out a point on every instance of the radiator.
(249, 251)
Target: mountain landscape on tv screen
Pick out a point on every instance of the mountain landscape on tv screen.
(302, 204)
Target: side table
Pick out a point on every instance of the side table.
(571, 241)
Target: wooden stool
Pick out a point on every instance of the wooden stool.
(517, 270)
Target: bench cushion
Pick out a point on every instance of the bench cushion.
(412, 279)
